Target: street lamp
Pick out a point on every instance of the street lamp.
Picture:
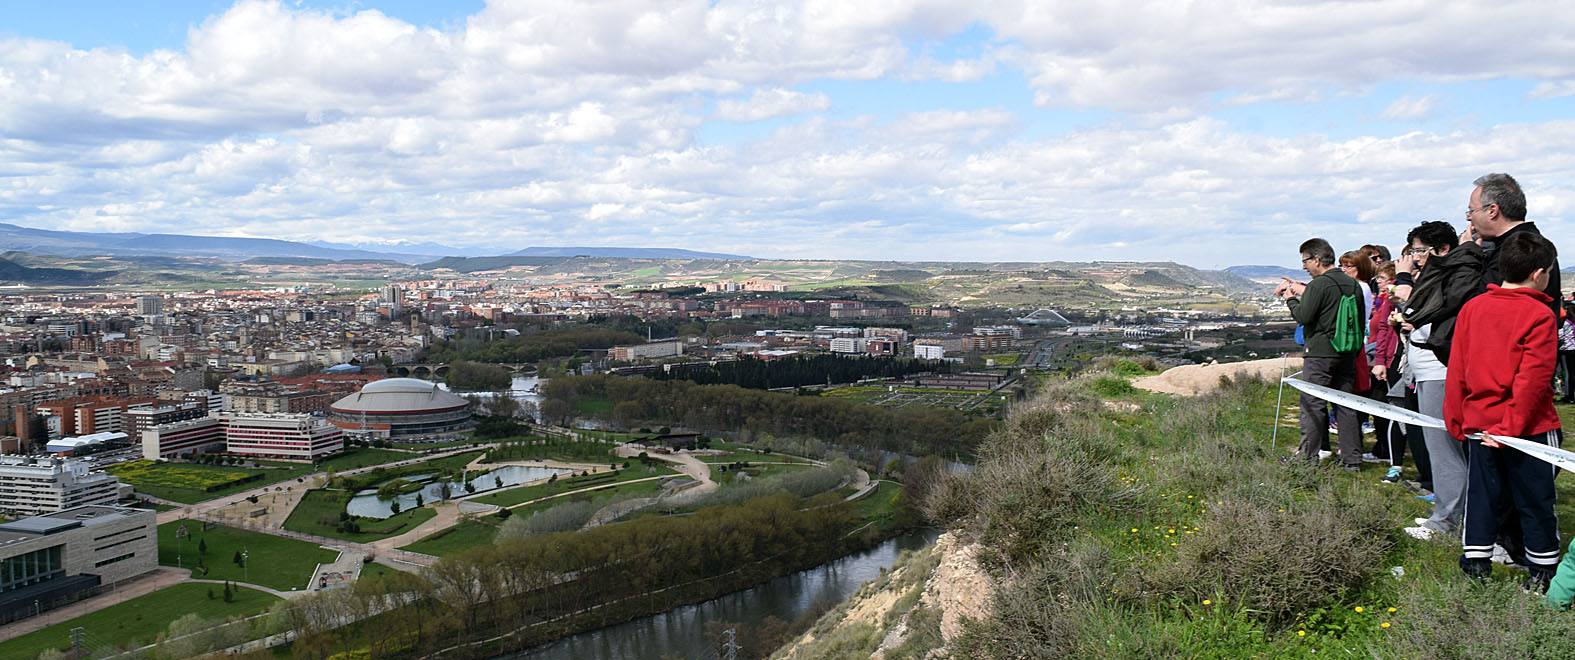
(246, 564)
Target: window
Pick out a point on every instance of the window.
(112, 560)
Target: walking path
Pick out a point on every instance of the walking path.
(142, 586)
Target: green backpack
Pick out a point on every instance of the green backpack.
(1349, 335)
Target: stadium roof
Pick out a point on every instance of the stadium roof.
(400, 395)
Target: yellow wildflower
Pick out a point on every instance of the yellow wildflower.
(1207, 602)
(1301, 633)
(1384, 625)
(1392, 610)
(1359, 609)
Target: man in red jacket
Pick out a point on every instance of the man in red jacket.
(1501, 362)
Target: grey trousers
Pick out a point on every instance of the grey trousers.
(1448, 457)
(1340, 374)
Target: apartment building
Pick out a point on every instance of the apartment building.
(32, 486)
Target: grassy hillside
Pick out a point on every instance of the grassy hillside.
(1142, 525)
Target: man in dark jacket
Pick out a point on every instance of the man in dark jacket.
(1315, 305)
(1497, 211)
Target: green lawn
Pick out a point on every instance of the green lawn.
(188, 482)
(756, 471)
(423, 446)
(467, 534)
(375, 570)
(318, 513)
(365, 457)
(513, 496)
(275, 562)
(140, 620)
(380, 475)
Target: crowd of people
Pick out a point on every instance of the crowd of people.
(1468, 327)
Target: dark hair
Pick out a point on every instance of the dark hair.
(1434, 234)
(1373, 248)
(1318, 250)
(1522, 254)
(1504, 191)
(1363, 264)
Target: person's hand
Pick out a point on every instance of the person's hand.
(1407, 327)
(1470, 235)
(1488, 441)
(1381, 372)
(1406, 263)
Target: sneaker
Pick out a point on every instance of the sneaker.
(1501, 556)
(1324, 454)
(1392, 476)
(1429, 498)
(1352, 468)
(1421, 521)
(1367, 427)
(1413, 486)
(1370, 458)
(1476, 569)
(1537, 579)
(1421, 533)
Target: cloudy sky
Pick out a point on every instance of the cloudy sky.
(1211, 133)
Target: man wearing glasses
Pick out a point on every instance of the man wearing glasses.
(1315, 305)
(1497, 211)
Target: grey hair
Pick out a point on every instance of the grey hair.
(1318, 250)
(1504, 191)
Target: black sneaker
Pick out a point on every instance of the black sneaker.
(1476, 569)
(1392, 476)
(1537, 580)
(1353, 468)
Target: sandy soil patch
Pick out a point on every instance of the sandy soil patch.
(1195, 379)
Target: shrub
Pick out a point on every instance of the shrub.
(1044, 611)
(1456, 618)
(1111, 387)
(1276, 554)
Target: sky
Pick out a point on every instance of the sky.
(1208, 133)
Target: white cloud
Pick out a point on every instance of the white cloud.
(768, 103)
(531, 122)
(1411, 107)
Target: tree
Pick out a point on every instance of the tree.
(503, 405)
(239, 561)
(470, 486)
(420, 501)
(202, 547)
(394, 506)
(229, 592)
(497, 481)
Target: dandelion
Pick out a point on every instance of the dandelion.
(1134, 530)
(1207, 602)
(1359, 609)
(1301, 633)
(1384, 625)
(1392, 610)
(1170, 531)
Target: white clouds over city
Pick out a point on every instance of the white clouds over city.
(1213, 134)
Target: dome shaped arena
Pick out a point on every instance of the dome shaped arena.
(405, 409)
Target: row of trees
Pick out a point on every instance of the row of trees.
(753, 413)
(558, 342)
(605, 574)
(800, 370)
(467, 375)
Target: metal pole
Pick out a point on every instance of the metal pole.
(1274, 436)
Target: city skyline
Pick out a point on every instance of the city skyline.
(909, 131)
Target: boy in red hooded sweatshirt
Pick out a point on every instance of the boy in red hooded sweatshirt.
(1501, 362)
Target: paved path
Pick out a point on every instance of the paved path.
(154, 581)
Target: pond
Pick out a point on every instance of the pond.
(366, 504)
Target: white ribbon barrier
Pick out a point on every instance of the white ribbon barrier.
(1553, 455)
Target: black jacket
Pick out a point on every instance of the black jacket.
(1443, 288)
(1491, 275)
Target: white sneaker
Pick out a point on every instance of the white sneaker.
(1421, 533)
(1501, 556)
(1324, 455)
(1420, 521)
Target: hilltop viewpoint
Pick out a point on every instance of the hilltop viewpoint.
(1108, 521)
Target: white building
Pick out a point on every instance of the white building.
(653, 350)
(291, 437)
(32, 486)
(53, 560)
(849, 345)
(929, 352)
(295, 437)
(179, 439)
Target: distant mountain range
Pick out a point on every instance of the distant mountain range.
(1266, 273)
(81, 243)
(625, 253)
(15, 273)
(401, 247)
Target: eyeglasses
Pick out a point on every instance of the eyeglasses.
(1416, 252)
(1306, 259)
(1483, 207)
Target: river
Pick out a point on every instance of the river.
(680, 632)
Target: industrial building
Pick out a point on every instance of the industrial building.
(39, 485)
(407, 409)
(56, 559)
